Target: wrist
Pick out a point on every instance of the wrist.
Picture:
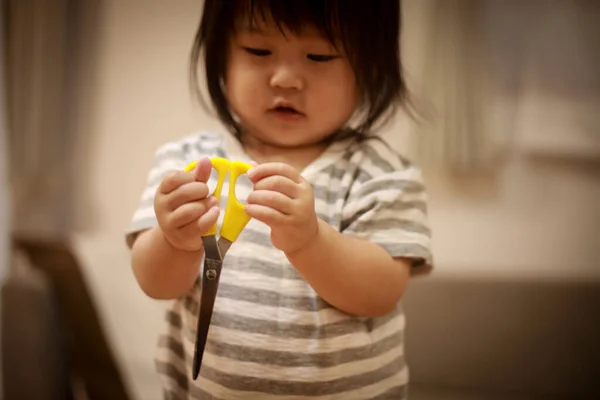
(170, 244)
(311, 244)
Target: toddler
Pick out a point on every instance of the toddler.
(308, 305)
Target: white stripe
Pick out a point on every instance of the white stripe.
(413, 214)
(326, 181)
(169, 147)
(277, 314)
(376, 389)
(250, 280)
(398, 237)
(143, 213)
(260, 252)
(165, 166)
(389, 196)
(149, 193)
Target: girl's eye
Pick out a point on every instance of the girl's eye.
(321, 57)
(257, 52)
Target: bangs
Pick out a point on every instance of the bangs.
(366, 31)
(291, 16)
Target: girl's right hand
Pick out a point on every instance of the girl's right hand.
(183, 209)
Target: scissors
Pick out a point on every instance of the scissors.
(234, 221)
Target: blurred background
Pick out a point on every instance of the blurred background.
(509, 92)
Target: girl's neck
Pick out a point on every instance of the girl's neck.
(298, 157)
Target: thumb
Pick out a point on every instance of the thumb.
(203, 170)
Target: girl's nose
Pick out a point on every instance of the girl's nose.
(286, 77)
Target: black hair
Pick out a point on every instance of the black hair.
(368, 30)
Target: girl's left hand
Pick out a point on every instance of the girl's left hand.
(284, 201)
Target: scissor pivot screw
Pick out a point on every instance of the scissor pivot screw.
(211, 274)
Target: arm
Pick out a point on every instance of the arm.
(166, 257)
(352, 274)
(161, 270)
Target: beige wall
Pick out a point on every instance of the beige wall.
(539, 217)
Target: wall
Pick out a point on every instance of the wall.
(537, 217)
(4, 197)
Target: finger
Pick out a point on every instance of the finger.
(190, 212)
(203, 170)
(279, 184)
(201, 225)
(173, 179)
(266, 215)
(186, 193)
(269, 169)
(271, 199)
(210, 218)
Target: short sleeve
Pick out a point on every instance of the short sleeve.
(167, 158)
(390, 210)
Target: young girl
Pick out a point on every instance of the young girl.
(309, 298)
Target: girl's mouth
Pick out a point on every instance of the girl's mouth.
(287, 113)
(287, 110)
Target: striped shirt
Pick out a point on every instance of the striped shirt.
(271, 335)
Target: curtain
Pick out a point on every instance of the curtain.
(559, 109)
(4, 195)
(451, 83)
(39, 38)
(493, 76)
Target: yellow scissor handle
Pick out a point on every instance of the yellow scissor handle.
(235, 215)
(235, 219)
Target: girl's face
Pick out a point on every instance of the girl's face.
(288, 90)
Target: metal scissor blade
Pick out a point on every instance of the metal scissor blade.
(224, 245)
(207, 302)
(210, 284)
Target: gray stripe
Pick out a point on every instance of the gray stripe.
(329, 194)
(273, 269)
(191, 305)
(340, 171)
(171, 395)
(175, 374)
(397, 393)
(175, 346)
(296, 359)
(278, 387)
(374, 156)
(361, 226)
(287, 359)
(388, 206)
(272, 298)
(174, 319)
(400, 185)
(199, 394)
(291, 330)
(406, 205)
(333, 219)
(411, 250)
(175, 154)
